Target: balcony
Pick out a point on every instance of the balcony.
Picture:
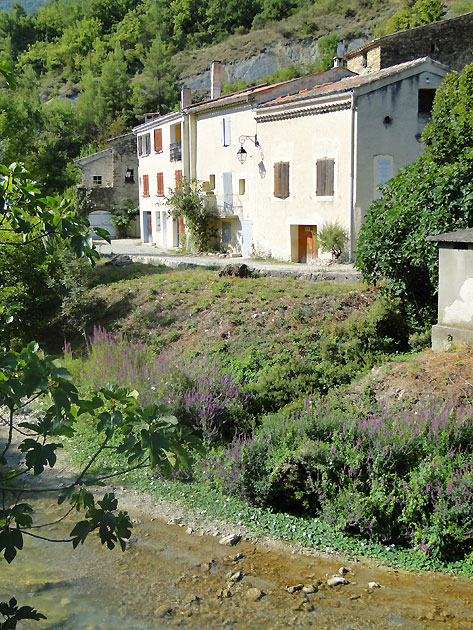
(224, 206)
(175, 152)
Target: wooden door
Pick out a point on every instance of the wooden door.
(307, 249)
(181, 228)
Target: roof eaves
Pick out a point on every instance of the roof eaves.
(459, 236)
(94, 156)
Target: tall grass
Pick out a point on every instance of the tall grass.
(201, 395)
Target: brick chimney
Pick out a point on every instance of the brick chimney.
(216, 79)
(186, 98)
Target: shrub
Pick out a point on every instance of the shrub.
(401, 477)
(188, 201)
(202, 397)
(333, 237)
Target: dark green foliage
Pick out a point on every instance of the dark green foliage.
(188, 201)
(327, 47)
(424, 199)
(13, 614)
(432, 196)
(416, 14)
(397, 477)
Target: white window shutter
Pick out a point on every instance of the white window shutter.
(226, 132)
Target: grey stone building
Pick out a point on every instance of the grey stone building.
(448, 41)
(110, 181)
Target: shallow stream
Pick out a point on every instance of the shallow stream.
(168, 578)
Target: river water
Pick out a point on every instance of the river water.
(168, 578)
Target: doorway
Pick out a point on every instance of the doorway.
(307, 243)
(147, 227)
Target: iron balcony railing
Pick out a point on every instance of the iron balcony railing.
(224, 205)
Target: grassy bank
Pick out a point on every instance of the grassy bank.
(258, 368)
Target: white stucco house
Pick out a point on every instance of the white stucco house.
(279, 161)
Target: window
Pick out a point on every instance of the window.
(175, 148)
(281, 180)
(145, 185)
(160, 184)
(241, 187)
(178, 179)
(226, 132)
(144, 144)
(129, 176)
(158, 140)
(425, 101)
(383, 171)
(97, 180)
(158, 221)
(325, 177)
(211, 182)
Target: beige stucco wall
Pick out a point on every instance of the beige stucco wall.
(301, 141)
(155, 163)
(211, 157)
(396, 140)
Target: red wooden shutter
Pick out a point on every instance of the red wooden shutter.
(158, 140)
(160, 184)
(140, 145)
(145, 186)
(178, 178)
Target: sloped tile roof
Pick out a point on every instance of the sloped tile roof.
(349, 83)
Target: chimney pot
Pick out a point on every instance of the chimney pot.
(186, 97)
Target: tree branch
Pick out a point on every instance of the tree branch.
(54, 540)
(72, 485)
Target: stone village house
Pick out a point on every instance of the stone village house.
(279, 161)
(109, 179)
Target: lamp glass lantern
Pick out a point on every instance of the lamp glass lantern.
(242, 154)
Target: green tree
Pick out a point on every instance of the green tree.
(188, 201)
(114, 84)
(420, 13)
(433, 195)
(332, 237)
(157, 87)
(90, 108)
(150, 437)
(327, 47)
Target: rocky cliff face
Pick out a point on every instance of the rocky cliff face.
(257, 66)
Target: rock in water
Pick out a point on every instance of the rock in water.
(231, 540)
(336, 580)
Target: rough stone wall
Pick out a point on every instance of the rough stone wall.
(95, 198)
(102, 166)
(124, 158)
(447, 41)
